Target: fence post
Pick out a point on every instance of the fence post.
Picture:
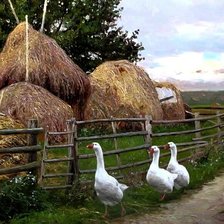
(197, 125)
(32, 140)
(115, 142)
(148, 128)
(218, 128)
(73, 164)
(44, 157)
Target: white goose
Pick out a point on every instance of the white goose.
(183, 178)
(160, 179)
(108, 189)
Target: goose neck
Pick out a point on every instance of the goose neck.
(155, 160)
(100, 160)
(174, 153)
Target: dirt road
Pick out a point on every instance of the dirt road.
(204, 206)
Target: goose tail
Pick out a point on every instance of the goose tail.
(123, 187)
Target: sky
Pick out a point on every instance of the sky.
(183, 39)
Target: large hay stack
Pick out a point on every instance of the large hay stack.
(173, 109)
(121, 89)
(49, 67)
(25, 101)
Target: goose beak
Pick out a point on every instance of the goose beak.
(90, 146)
(166, 146)
(151, 151)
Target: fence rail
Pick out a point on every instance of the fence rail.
(31, 148)
(21, 131)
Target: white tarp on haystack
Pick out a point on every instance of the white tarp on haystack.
(165, 92)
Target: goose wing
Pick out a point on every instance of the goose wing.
(108, 191)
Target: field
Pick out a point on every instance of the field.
(209, 98)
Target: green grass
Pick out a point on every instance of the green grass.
(203, 97)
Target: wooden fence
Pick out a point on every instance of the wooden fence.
(208, 110)
(129, 162)
(202, 131)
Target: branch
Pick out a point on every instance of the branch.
(60, 24)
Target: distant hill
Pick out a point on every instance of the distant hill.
(203, 97)
(197, 85)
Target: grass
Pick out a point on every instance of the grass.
(195, 98)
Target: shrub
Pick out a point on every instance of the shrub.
(21, 195)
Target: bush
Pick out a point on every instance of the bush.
(21, 195)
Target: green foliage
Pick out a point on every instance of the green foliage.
(19, 196)
(86, 29)
(63, 215)
(206, 170)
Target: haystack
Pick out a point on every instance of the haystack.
(121, 89)
(8, 141)
(49, 67)
(173, 109)
(25, 101)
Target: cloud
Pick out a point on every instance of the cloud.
(179, 36)
(195, 30)
(183, 2)
(187, 66)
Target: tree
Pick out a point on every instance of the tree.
(86, 29)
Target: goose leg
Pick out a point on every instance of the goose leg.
(123, 211)
(106, 212)
(162, 197)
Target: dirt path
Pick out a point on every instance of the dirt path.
(204, 206)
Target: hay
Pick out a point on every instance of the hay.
(173, 109)
(121, 89)
(49, 67)
(8, 141)
(25, 101)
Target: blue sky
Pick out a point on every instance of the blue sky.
(180, 37)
